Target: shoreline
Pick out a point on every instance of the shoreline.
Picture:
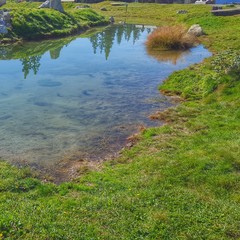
(80, 31)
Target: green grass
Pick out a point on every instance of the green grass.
(31, 23)
(179, 181)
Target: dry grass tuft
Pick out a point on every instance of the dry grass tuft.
(170, 38)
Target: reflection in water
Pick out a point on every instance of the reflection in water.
(103, 41)
(79, 105)
(30, 53)
(30, 63)
(167, 56)
(55, 53)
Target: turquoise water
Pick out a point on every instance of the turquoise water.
(80, 98)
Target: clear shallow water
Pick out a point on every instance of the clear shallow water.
(75, 98)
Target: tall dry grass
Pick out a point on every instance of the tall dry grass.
(170, 37)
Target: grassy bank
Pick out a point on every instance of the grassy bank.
(180, 181)
(31, 23)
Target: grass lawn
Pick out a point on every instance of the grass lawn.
(179, 181)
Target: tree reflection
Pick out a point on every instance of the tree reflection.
(30, 63)
(30, 54)
(103, 41)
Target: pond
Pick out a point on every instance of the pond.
(80, 98)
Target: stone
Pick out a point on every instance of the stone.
(5, 21)
(129, 145)
(2, 2)
(3, 29)
(195, 30)
(45, 4)
(111, 19)
(216, 8)
(103, 9)
(82, 7)
(86, 6)
(6, 16)
(54, 4)
(57, 5)
(182, 11)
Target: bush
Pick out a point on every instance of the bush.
(170, 37)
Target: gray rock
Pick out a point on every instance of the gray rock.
(216, 8)
(82, 7)
(6, 16)
(57, 5)
(2, 2)
(103, 9)
(182, 11)
(111, 19)
(195, 30)
(45, 4)
(3, 29)
(5, 21)
(54, 4)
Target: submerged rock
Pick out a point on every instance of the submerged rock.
(49, 83)
(42, 104)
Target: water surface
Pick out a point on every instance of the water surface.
(74, 98)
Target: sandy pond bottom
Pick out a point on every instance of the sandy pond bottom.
(66, 100)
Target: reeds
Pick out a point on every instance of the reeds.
(170, 37)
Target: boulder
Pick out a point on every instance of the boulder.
(103, 9)
(54, 4)
(5, 21)
(111, 19)
(3, 28)
(2, 2)
(195, 30)
(6, 16)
